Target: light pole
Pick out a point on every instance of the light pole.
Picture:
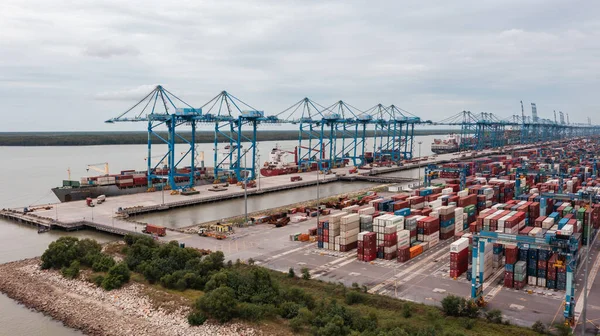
(162, 192)
(245, 189)
(585, 279)
(420, 142)
(258, 158)
(318, 196)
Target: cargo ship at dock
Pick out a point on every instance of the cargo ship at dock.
(451, 144)
(278, 166)
(126, 183)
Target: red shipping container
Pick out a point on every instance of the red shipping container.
(456, 273)
(458, 256)
(426, 211)
(512, 254)
(508, 279)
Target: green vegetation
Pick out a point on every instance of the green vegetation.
(131, 138)
(228, 291)
(72, 271)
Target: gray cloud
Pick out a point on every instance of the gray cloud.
(106, 50)
(89, 61)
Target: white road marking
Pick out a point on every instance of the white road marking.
(284, 253)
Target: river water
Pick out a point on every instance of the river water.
(29, 173)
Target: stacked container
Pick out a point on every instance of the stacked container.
(428, 230)
(334, 229)
(447, 221)
(459, 257)
(367, 246)
(366, 223)
(512, 255)
(520, 274)
(349, 228)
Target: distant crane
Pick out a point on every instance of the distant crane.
(94, 166)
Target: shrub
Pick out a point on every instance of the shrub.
(354, 297)
(98, 279)
(563, 330)
(296, 324)
(305, 273)
(219, 303)
(451, 305)
(468, 323)
(289, 310)
(406, 310)
(250, 311)
(196, 318)
(117, 276)
(539, 327)
(72, 271)
(291, 273)
(250, 261)
(494, 316)
(103, 263)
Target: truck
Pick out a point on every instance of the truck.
(89, 202)
(158, 230)
(100, 199)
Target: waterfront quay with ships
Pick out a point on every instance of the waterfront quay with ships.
(506, 213)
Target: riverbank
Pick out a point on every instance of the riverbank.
(81, 305)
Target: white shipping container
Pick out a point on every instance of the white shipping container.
(567, 230)
(463, 193)
(349, 226)
(434, 214)
(366, 211)
(349, 209)
(298, 219)
(435, 204)
(350, 218)
(446, 191)
(390, 229)
(335, 218)
(434, 242)
(390, 249)
(459, 245)
(350, 233)
(348, 240)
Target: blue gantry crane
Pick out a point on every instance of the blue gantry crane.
(160, 108)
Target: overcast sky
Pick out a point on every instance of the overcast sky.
(70, 65)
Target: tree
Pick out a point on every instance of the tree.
(219, 303)
(60, 253)
(291, 273)
(305, 273)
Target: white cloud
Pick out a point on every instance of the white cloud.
(431, 58)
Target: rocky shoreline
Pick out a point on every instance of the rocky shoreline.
(81, 305)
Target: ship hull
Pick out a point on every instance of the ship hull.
(81, 193)
(444, 150)
(278, 171)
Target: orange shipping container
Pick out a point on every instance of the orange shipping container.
(415, 251)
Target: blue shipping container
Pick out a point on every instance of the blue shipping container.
(402, 212)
